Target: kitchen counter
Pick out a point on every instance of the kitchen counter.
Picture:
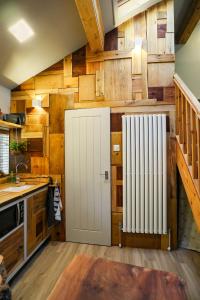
(6, 197)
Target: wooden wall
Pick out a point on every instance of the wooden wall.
(125, 75)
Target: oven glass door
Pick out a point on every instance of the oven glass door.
(8, 220)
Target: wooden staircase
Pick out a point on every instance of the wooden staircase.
(188, 144)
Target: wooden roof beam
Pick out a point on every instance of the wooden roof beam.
(91, 17)
(190, 21)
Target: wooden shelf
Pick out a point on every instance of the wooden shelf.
(8, 125)
(31, 135)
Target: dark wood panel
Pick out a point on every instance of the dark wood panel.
(156, 93)
(161, 30)
(116, 122)
(135, 240)
(12, 249)
(169, 93)
(119, 173)
(55, 67)
(79, 62)
(35, 147)
(58, 103)
(111, 40)
(37, 220)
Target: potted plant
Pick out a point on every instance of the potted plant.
(17, 147)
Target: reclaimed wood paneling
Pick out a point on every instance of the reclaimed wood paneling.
(160, 74)
(118, 80)
(40, 165)
(124, 77)
(79, 62)
(111, 42)
(156, 93)
(87, 88)
(58, 103)
(56, 153)
(49, 81)
(116, 122)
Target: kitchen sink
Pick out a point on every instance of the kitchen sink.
(17, 189)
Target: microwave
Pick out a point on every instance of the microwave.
(11, 217)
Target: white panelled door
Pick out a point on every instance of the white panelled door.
(87, 176)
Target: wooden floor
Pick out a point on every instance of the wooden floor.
(37, 279)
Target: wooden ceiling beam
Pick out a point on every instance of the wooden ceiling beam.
(91, 17)
(190, 21)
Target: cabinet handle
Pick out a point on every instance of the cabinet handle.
(18, 214)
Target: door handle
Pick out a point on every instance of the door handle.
(105, 174)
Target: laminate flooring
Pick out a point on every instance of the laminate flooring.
(36, 280)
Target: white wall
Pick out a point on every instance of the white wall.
(4, 99)
(188, 62)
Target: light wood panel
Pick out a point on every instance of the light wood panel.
(40, 165)
(160, 74)
(49, 82)
(118, 80)
(87, 88)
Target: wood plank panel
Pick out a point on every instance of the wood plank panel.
(49, 81)
(87, 88)
(118, 80)
(13, 256)
(40, 165)
(79, 62)
(160, 74)
(58, 103)
(56, 153)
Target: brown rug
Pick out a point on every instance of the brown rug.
(90, 278)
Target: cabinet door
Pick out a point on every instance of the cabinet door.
(37, 220)
(12, 249)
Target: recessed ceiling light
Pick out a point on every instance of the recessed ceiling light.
(21, 31)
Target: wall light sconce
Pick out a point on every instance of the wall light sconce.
(138, 44)
(37, 101)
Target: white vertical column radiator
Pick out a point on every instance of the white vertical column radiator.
(144, 174)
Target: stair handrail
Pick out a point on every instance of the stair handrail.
(188, 94)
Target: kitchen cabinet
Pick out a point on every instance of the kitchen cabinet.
(37, 229)
(12, 249)
(26, 228)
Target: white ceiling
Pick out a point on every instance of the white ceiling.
(58, 32)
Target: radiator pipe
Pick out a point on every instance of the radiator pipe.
(169, 240)
(120, 235)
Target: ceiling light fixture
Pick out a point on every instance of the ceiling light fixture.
(21, 31)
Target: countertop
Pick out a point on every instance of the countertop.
(6, 197)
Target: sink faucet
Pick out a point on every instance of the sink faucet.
(20, 164)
